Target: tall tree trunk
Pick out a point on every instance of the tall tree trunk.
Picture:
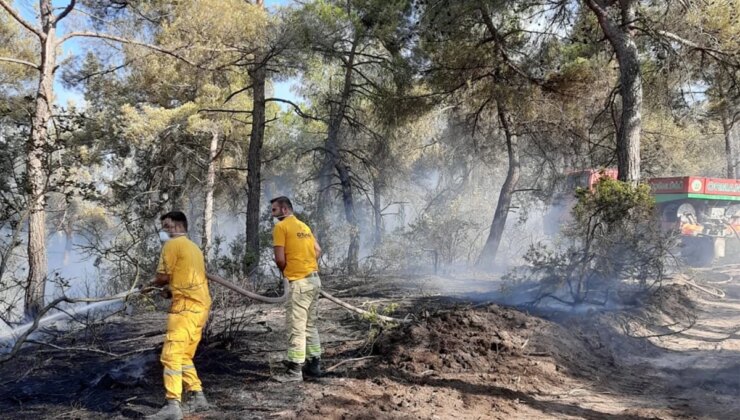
(731, 130)
(254, 167)
(377, 214)
(258, 77)
(622, 40)
(732, 138)
(208, 208)
(332, 161)
(628, 135)
(353, 251)
(36, 162)
(490, 249)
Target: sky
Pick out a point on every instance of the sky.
(28, 10)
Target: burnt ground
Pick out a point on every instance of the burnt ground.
(677, 357)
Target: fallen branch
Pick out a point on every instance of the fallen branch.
(90, 349)
(362, 311)
(717, 292)
(141, 337)
(538, 354)
(283, 350)
(349, 361)
(39, 316)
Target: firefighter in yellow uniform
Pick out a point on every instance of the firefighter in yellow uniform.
(296, 254)
(182, 269)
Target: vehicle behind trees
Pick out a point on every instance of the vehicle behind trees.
(704, 211)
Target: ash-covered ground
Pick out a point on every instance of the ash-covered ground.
(676, 356)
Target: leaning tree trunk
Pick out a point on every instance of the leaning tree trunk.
(490, 249)
(208, 208)
(254, 167)
(37, 154)
(619, 35)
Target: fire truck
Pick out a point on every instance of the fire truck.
(704, 211)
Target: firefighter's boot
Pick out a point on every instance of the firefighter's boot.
(170, 411)
(293, 373)
(312, 367)
(196, 402)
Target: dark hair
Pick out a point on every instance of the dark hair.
(176, 216)
(283, 202)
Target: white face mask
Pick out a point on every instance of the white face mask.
(280, 216)
(164, 236)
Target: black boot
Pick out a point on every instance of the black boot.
(293, 373)
(196, 402)
(313, 367)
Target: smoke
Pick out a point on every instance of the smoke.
(62, 319)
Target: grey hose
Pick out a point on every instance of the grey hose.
(223, 282)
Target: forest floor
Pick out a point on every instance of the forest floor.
(676, 357)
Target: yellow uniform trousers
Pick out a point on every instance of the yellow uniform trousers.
(301, 315)
(184, 331)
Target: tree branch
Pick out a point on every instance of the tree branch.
(358, 359)
(608, 26)
(499, 43)
(90, 349)
(362, 311)
(37, 320)
(20, 20)
(232, 94)
(124, 41)
(17, 61)
(103, 72)
(231, 111)
(295, 107)
(686, 42)
(66, 11)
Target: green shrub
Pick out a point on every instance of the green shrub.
(613, 243)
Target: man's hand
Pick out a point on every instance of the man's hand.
(317, 249)
(166, 292)
(280, 257)
(161, 279)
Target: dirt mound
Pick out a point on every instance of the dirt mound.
(486, 340)
(458, 341)
(678, 299)
(670, 309)
(472, 362)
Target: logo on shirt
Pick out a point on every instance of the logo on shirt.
(303, 235)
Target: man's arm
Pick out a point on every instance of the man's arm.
(164, 267)
(161, 279)
(316, 249)
(280, 257)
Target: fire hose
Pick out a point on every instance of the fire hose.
(286, 288)
(223, 282)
